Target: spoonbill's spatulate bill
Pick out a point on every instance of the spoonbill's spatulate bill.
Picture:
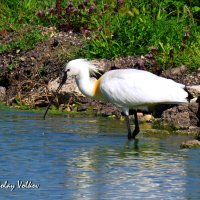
(128, 89)
(64, 78)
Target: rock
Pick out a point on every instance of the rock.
(140, 116)
(177, 116)
(68, 109)
(193, 100)
(22, 59)
(2, 93)
(64, 107)
(174, 72)
(81, 108)
(182, 116)
(194, 90)
(127, 62)
(68, 90)
(148, 118)
(193, 110)
(103, 65)
(105, 109)
(191, 144)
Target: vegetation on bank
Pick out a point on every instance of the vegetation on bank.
(167, 31)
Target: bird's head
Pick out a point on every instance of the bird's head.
(74, 68)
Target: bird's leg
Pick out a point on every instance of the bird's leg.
(137, 128)
(128, 126)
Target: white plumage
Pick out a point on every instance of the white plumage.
(133, 89)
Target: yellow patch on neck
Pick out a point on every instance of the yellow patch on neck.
(96, 88)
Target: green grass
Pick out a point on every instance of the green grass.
(16, 14)
(132, 28)
(137, 28)
(3, 106)
(18, 17)
(26, 39)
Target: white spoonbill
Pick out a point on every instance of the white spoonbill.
(128, 89)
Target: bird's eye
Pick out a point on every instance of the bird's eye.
(68, 70)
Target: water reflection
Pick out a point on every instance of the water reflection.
(108, 172)
(75, 158)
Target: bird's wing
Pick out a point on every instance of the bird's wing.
(133, 88)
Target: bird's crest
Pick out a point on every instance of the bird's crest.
(91, 65)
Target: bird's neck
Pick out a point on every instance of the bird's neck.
(85, 84)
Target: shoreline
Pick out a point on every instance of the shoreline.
(147, 128)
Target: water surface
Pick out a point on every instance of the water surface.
(90, 158)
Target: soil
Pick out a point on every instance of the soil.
(26, 71)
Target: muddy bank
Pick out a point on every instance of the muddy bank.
(30, 77)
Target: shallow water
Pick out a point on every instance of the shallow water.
(90, 158)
